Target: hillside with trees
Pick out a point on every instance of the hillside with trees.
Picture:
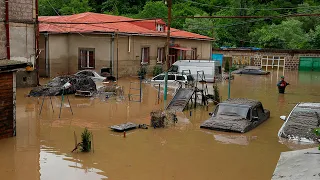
(281, 32)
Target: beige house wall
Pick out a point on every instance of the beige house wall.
(58, 54)
(101, 45)
(64, 51)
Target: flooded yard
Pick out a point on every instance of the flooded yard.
(42, 148)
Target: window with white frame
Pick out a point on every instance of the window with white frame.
(160, 55)
(86, 58)
(145, 55)
(160, 27)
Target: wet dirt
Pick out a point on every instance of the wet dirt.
(42, 148)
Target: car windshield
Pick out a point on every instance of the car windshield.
(232, 110)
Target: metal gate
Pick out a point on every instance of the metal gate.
(309, 64)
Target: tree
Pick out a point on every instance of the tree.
(199, 26)
(288, 35)
(75, 7)
(155, 9)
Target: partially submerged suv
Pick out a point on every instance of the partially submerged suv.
(173, 77)
(301, 122)
(237, 115)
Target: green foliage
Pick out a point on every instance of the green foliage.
(153, 9)
(227, 66)
(317, 132)
(233, 68)
(216, 93)
(289, 35)
(142, 72)
(86, 141)
(157, 70)
(63, 7)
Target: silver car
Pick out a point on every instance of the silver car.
(93, 74)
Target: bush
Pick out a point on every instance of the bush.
(233, 68)
(216, 93)
(226, 66)
(142, 72)
(157, 70)
(86, 141)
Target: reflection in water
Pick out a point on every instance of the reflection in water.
(59, 166)
(183, 151)
(231, 138)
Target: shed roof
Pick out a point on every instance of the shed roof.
(7, 65)
(102, 23)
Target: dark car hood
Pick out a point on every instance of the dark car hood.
(227, 123)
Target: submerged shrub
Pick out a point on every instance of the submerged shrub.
(86, 141)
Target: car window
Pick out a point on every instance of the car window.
(180, 78)
(171, 77)
(90, 74)
(190, 78)
(160, 77)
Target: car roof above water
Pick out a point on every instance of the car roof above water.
(242, 101)
(307, 107)
(197, 62)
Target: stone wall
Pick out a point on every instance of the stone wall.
(21, 10)
(7, 105)
(292, 60)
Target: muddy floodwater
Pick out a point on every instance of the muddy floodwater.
(42, 148)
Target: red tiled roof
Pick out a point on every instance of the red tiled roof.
(94, 22)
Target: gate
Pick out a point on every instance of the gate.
(309, 64)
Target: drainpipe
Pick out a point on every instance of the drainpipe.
(46, 36)
(37, 41)
(7, 28)
(112, 53)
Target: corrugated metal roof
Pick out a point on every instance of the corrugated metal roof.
(93, 23)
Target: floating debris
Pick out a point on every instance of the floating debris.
(124, 127)
(160, 119)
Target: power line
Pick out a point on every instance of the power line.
(263, 9)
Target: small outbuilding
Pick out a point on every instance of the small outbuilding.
(8, 69)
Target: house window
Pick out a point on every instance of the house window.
(194, 53)
(160, 55)
(86, 59)
(145, 55)
(160, 27)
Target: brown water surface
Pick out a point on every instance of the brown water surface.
(42, 147)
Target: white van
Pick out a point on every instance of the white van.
(211, 69)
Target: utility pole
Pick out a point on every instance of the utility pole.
(169, 3)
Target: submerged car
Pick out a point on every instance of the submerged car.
(90, 73)
(237, 115)
(301, 123)
(173, 77)
(253, 70)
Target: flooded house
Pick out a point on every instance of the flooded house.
(8, 70)
(118, 44)
(18, 37)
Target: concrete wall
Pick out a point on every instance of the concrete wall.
(64, 52)
(7, 104)
(58, 55)
(22, 39)
(292, 60)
